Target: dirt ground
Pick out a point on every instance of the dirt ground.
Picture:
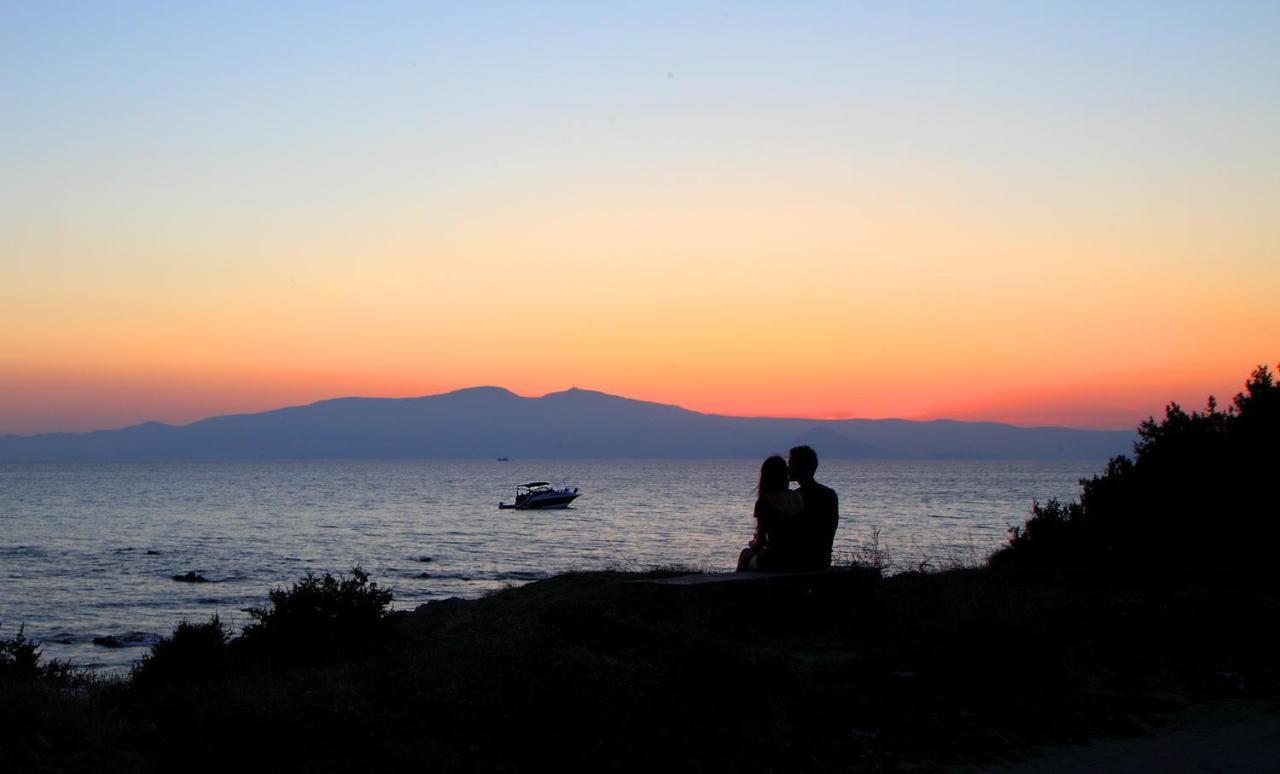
(1225, 736)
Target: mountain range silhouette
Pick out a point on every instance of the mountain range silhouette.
(487, 422)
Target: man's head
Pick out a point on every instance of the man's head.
(803, 463)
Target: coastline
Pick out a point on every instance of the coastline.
(96, 547)
(606, 671)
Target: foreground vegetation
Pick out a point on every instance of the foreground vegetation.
(1199, 495)
(1093, 621)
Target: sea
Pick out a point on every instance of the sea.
(90, 550)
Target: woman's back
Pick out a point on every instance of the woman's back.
(783, 505)
(777, 514)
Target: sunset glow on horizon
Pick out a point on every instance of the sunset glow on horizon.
(1066, 215)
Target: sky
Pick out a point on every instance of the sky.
(1039, 213)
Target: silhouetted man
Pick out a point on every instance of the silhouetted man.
(820, 515)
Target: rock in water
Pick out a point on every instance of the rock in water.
(129, 640)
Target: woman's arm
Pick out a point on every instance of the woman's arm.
(764, 520)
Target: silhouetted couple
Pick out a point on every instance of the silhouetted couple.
(794, 527)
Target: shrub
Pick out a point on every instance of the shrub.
(20, 660)
(1198, 494)
(866, 555)
(194, 651)
(19, 657)
(320, 619)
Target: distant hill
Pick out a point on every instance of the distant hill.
(491, 422)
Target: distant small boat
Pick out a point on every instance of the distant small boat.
(504, 459)
(540, 494)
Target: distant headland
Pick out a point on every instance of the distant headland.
(488, 422)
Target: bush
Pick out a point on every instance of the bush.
(1197, 495)
(20, 660)
(320, 619)
(194, 651)
(19, 657)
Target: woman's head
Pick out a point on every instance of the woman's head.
(773, 476)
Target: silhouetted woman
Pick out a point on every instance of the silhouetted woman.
(777, 508)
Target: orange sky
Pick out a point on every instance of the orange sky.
(1032, 224)
(755, 302)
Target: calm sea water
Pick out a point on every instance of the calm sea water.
(90, 549)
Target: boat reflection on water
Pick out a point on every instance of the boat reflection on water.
(540, 494)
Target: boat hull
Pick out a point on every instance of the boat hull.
(541, 503)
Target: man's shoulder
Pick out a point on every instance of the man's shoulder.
(816, 493)
(821, 490)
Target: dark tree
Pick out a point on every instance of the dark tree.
(1199, 494)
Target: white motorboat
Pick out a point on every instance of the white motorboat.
(540, 494)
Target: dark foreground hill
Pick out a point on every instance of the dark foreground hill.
(488, 422)
(600, 672)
